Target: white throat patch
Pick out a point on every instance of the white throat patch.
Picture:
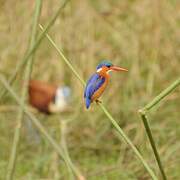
(99, 70)
(107, 72)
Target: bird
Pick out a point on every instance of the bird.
(48, 98)
(98, 82)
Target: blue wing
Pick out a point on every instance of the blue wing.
(93, 84)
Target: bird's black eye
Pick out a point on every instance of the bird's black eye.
(108, 66)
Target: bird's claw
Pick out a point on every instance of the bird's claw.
(98, 101)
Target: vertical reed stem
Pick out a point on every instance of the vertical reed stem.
(153, 145)
(63, 125)
(13, 155)
(144, 118)
(63, 130)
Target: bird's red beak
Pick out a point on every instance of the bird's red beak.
(116, 68)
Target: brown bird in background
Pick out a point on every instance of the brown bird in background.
(49, 98)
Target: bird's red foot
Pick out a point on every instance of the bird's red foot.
(98, 101)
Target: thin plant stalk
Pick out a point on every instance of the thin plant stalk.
(34, 48)
(117, 127)
(40, 127)
(128, 141)
(144, 118)
(153, 145)
(13, 155)
(63, 56)
(163, 94)
(66, 153)
(63, 130)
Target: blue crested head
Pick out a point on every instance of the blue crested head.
(104, 63)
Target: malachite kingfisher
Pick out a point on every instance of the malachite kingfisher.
(98, 82)
(49, 98)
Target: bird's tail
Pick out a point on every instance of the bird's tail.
(88, 102)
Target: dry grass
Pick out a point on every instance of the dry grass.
(139, 35)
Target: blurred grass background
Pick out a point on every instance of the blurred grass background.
(140, 35)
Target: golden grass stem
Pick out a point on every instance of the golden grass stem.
(13, 155)
(117, 127)
(40, 127)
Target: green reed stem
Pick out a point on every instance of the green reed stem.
(128, 141)
(153, 145)
(63, 144)
(13, 155)
(34, 48)
(117, 127)
(144, 118)
(64, 58)
(163, 94)
(40, 127)
(63, 125)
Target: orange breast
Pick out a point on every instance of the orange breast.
(99, 92)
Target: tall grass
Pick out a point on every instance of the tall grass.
(37, 123)
(34, 47)
(28, 70)
(140, 35)
(27, 74)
